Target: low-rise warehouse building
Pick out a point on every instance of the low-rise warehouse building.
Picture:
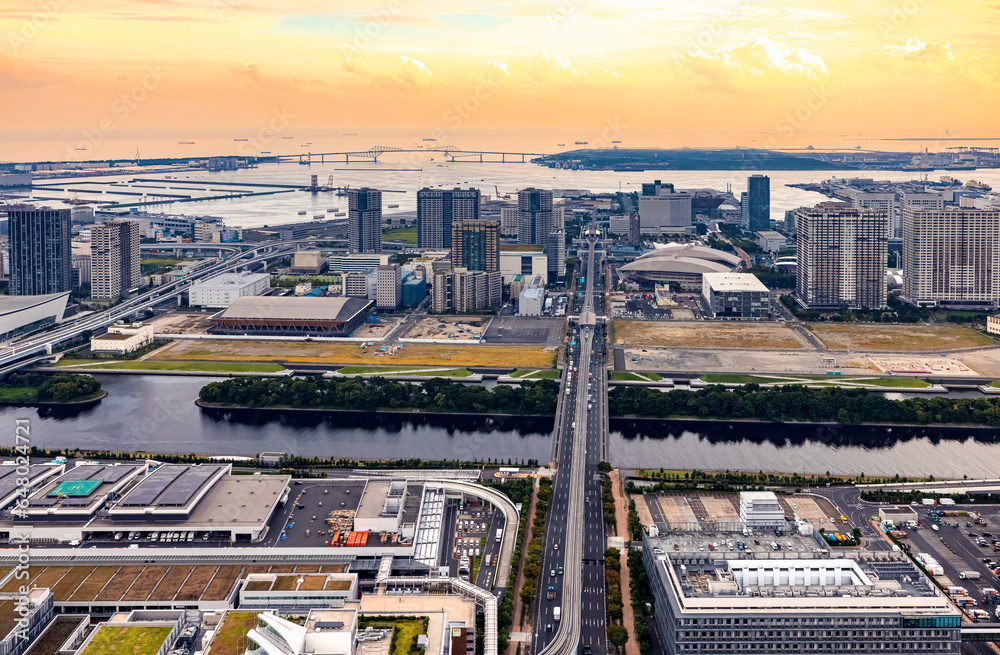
(335, 316)
(897, 515)
(123, 338)
(223, 290)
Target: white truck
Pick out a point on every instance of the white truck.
(556, 613)
(969, 575)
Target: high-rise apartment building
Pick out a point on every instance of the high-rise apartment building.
(555, 251)
(509, 218)
(663, 209)
(759, 199)
(39, 251)
(115, 259)
(465, 291)
(475, 245)
(364, 218)
(885, 202)
(438, 209)
(389, 286)
(951, 256)
(535, 216)
(441, 291)
(841, 256)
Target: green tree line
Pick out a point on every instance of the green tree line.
(434, 395)
(58, 388)
(798, 403)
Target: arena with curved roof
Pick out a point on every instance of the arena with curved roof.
(680, 264)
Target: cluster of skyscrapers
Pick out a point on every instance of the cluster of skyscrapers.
(41, 254)
(950, 255)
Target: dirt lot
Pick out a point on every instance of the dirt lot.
(182, 323)
(707, 335)
(147, 581)
(222, 583)
(350, 353)
(898, 338)
(458, 328)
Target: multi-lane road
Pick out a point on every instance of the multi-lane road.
(575, 542)
(43, 342)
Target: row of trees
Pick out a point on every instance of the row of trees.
(434, 395)
(536, 547)
(57, 388)
(798, 403)
(614, 605)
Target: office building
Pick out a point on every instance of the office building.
(663, 209)
(925, 200)
(223, 290)
(535, 216)
(310, 262)
(509, 219)
(521, 262)
(355, 284)
(414, 290)
(389, 289)
(475, 245)
(115, 259)
(771, 241)
(363, 263)
(39, 251)
(634, 230)
(438, 209)
(735, 296)
(758, 203)
(531, 299)
(841, 256)
(364, 220)
(618, 224)
(951, 256)
(771, 601)
(555, 252)
(744, 210)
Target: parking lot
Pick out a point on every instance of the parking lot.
(526, 330)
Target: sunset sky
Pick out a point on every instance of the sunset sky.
(896, 67)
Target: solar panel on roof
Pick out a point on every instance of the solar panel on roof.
(147, 490)
(113, 474)
(84, 472)
(7, 470)
(186, 486)
(76, 502)
(45, 501)
(330, 625)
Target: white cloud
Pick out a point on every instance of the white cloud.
(409, 62)
(761, 57)
(915, 50)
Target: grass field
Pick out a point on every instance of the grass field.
(529, 374)
(127, 640)
(18, 395)
(732, 378)
(995, 384)
(401, 234)
(748, 336)
(325, 352)
(147, 365)
(898, 338)
(231, 636)
(626, 376)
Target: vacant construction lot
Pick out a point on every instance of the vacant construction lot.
(324, 352)
(706, 335)
(898, 338)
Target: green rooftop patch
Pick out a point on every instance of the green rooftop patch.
(522, 247)
(127, 640)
